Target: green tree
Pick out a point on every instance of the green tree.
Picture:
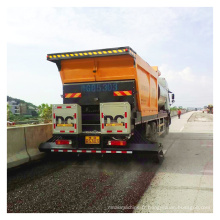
(45, 112)
(174, 108)
(10, 115)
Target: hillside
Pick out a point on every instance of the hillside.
(20, 101)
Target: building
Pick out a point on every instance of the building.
(14, 107)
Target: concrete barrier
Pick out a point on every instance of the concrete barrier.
(35, 135)
(23, 142)
(16, 147)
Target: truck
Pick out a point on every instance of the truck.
(113, 102)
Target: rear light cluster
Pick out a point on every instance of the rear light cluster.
(63, 142)
(117, 143)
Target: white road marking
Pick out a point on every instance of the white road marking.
(181, 128)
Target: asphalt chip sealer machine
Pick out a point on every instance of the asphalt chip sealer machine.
(113, 102)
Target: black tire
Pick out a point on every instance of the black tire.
(152, 135)
(159, 157)
(166, 132)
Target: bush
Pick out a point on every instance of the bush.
(45, 112)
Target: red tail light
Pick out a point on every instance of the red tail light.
(63, 142)
(117, 143)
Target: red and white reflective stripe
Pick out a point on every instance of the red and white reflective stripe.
(94, 151)
(54, 121)
(102, 121)
(64, 106)
(126, 120)
(75, 125)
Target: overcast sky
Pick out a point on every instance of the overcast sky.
(178, 40)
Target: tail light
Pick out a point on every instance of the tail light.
(63, 142)
(117, 143)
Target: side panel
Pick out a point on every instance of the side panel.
(67, 119)
(147, 87)
(115, 118)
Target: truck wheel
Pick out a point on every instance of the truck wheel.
(166, 130)
(153, 135)
(159, 157)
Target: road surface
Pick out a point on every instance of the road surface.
(184, 182)
(122, 183)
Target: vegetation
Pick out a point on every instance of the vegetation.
(10, 116)
(45, 112)
(175, 108)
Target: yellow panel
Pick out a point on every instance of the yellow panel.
(115, 68)
(108, 68)
(77, 70)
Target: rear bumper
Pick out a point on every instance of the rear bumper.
(129, 149)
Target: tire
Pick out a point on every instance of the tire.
(159, 157)
(166, 132)
(152, 135)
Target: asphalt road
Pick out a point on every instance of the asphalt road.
(86, 184)
(113, 183)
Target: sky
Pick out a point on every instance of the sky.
(177, 40)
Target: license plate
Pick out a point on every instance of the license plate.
(92, 140)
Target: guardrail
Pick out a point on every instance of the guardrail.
(23, 142)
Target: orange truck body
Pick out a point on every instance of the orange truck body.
(113, 102)
(120, 67)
